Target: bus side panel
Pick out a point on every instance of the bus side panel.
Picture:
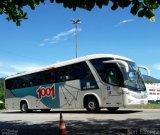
(37, 97)
(11, 101)
(49, 96)
(70, 94)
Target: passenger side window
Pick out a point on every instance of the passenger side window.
(100, 67)
(63, 74)
(87, 82)
(70, 72)
(35, 79)
(78, 71)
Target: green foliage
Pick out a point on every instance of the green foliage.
(2, 93)
(1, 85)
(14, 9)
(148, 82)
(2, 99)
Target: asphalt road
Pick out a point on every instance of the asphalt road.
(79, 122)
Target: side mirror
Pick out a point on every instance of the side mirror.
(145, 68)
(119, 62)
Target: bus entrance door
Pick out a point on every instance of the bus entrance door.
(115, 96)
(114, 79)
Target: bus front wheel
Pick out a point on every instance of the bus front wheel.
(24, 107)
(92, 105)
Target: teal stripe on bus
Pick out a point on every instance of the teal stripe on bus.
(45, 94)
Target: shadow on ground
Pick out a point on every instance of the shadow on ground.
(79, 112)
(91, 127)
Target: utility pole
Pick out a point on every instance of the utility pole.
(75, 22)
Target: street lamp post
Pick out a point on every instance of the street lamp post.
(76, 34)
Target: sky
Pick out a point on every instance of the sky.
(48, 37)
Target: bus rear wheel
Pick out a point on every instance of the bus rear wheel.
(24, 107)
(92, 105)
(113, 109)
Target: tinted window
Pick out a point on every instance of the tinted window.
(100, 67)
(42, 78)
(39, 78)
(114, 75)
(9, 84)
(76, 71)
(63, 74)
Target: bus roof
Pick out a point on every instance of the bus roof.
(72, 61)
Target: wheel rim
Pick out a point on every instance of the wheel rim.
(91, 105)
(24, 107)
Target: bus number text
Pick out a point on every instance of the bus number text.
(46, 92)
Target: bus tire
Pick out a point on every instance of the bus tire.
(112, 109)
(92, 105)
(24, 107)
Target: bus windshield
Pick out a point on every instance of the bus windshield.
(133, 79)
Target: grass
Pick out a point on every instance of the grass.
(147, 106)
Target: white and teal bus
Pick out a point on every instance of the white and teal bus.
(92, 82)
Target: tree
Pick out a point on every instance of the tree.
(13, 9)
(2, 100)
(1, 85)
